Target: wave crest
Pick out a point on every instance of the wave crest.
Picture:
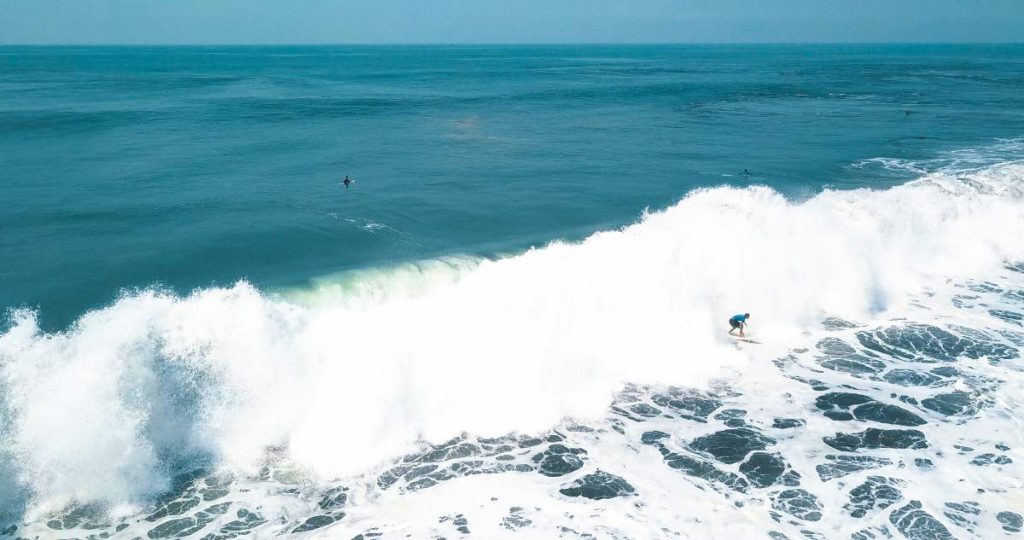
(343, 376)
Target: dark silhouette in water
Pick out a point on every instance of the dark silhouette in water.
(347, 182)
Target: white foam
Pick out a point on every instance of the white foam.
(352, 375)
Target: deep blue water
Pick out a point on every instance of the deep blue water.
(189, 166)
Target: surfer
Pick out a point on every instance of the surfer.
(346, 181)
(738, 321)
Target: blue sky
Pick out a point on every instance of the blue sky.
(507, 21)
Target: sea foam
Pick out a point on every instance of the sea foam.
(353, 371)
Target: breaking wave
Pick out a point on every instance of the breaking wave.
(341, 377)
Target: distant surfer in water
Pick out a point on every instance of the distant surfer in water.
(347, 182)
(738, 321)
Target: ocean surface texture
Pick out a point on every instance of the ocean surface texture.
(513, 323)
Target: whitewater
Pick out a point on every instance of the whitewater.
(582, 389)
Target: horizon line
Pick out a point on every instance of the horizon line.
(511, 43)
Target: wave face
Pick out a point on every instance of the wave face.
(880, 401)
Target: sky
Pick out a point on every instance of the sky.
(507, 21)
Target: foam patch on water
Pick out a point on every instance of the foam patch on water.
(249, 408)
(950, 162)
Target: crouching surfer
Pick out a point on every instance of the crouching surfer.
(738, 322)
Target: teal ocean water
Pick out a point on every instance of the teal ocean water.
(188, 167)
(513, 324)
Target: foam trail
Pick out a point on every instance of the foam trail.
(103, 411)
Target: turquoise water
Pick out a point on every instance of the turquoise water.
(186, 167)
(514, 322)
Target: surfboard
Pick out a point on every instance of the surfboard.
(745, 339)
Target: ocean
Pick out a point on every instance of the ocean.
(513, 323)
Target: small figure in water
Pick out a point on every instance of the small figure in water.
(738, 321)
(346, 181)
